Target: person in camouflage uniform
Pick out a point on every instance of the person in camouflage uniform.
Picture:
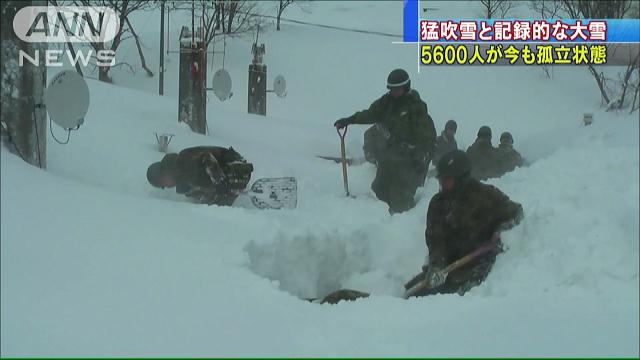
(446, 142)
(207, 174)
(482, 155)
(463, 216)
(507, 158)
(402, 143)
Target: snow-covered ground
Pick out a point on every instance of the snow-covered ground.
(94, 261)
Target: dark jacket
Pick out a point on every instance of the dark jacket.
(443, 146)
(483, 160)
(404, 122)
(461, 220)
(507, 158)
(211, 174)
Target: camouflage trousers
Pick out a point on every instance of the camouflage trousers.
(396, 183)
(398, 175)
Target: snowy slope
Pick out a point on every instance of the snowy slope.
(96, 262)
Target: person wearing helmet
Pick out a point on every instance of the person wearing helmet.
(446, 142)
(400, 143)
(482, 155)
(463, 216)
(507, 158)
(206, 174)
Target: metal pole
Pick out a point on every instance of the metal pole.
(224, 50)
(193, 20)
(161, 77)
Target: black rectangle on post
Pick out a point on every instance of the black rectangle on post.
(257, 103)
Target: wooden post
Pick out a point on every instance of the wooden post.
(257, 89)
(191, 89)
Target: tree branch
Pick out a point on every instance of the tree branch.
(140, 53)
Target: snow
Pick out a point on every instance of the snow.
(95, 262)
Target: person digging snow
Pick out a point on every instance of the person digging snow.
(465, 215)
(207, 174)
(446, 142)
(401, 142)
(482, 155)
(507, 158)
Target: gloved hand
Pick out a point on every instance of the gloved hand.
(436, 276)
(341, 123)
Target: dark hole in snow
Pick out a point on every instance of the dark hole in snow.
(311, 266)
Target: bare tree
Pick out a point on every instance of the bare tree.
(143, 62)
(123, 8)
(548, 9)
(229, 17)
(240, 16)
(497, 8)
(594, 9)
(281, 7)
(284, 4)
(69, 44)
(629, 80)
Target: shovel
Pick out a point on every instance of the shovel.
(343, 160)
(420, 283)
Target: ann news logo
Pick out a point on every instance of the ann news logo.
(62, 24)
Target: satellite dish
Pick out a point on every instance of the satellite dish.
(67, 99)
(222, 85)
(280, 86)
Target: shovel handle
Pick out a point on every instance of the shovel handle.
(343, 159)
(342, 134)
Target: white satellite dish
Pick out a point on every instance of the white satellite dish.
(222, 85)
(280, 86)
(67, 99)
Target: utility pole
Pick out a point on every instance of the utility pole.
(193, 21)
(22, 89)
(257, 97)
(168, 28)
(161, 77)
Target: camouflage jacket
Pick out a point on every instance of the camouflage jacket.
(483, 160)
(507, 158)
(443, 146)
(211, 174)
(461, 220)
(405, 122)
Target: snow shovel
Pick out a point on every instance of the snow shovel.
(343, 160)
(414, 286)
(420, 283)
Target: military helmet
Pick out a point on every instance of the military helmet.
(484, 132)
(398, 78)
(451, 124)
(157, 171)
(506, 138)
(169, 162)
(155, 174)
(455, 164)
